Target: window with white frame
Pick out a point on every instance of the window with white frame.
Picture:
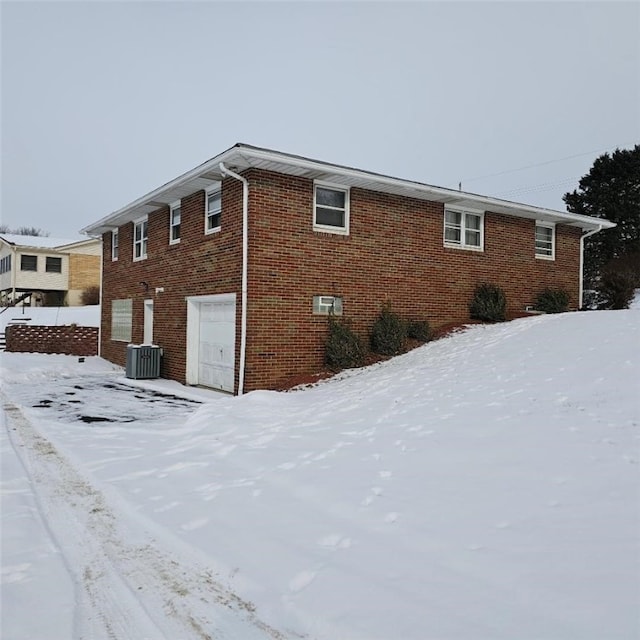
(463, 229)
(331, 208)
(545, 240)
(327, 305)
(140, 238)
(174, 223)
(213, 209)
(114, 245)
(121, 320)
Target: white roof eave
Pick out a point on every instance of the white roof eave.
(241, 157)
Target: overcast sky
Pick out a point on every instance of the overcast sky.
(104, 101)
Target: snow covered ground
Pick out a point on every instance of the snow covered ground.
(482, 487)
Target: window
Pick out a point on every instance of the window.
(545, 240)
(28, 263)
(327, 305)
(174, 223)
(53, 265)
(114, 245)
(5, 264)
(121, 320)
(331, 209)
(140, 237)
(463, 229)
(213, 210)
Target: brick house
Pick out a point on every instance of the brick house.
(36, 268)
(233, 267)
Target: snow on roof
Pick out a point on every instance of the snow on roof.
(41, 242)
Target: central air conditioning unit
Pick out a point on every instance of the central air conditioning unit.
(143, 361)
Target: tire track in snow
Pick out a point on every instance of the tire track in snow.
(125, 590)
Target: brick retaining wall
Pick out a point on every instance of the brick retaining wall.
(70, 340)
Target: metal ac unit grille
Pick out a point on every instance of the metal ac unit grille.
(143, 361)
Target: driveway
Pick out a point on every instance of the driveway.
(99, 399)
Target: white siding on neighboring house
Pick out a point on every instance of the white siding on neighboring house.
(6, 278)
(41, 279)
(58, 250)
(90, 248)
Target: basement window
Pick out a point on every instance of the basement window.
(545, 240)
(53, 265)
(28, 263)
(121, 320)
(331, 208)
(327, 305)
(463, 229)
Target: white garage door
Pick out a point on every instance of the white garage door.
(211, 339)
(217, 345)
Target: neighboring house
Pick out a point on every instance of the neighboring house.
(233, 267)
(40, 270)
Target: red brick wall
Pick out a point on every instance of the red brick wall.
(394, 252)
(198, 265)
(70, 340)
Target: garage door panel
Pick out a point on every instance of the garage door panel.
(216, 352)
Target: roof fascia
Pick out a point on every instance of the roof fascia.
(441, 194)
(244, 154)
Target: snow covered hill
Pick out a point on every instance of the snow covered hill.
(484, 486)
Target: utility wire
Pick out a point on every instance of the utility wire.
(542, 164)
(545, 186)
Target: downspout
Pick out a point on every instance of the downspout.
(582, 237)
(245, 252)
(100, 300)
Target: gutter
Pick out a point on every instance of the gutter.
(582, 237)
(245, 252)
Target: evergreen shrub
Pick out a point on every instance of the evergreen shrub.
(389, 332)
(343, 348)
(552, 301)
(616, 289)
(489, 303)
(419, 330)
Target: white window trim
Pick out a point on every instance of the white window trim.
(172, 207)
(325, 228)
(462, 245)
(208, 192)
(121, 320)
(142, 256)
(327, 305)
(115, 235)
(546, 225)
